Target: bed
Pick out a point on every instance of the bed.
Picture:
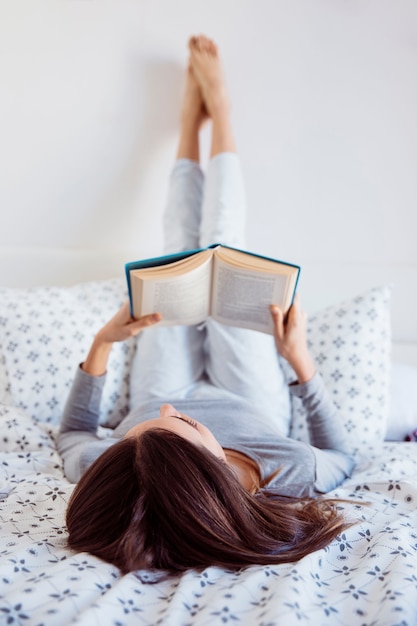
(366, 576)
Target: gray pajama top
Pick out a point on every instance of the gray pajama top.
(306, 470)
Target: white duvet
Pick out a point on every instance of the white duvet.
(368, 576)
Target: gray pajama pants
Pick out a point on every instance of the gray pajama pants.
(211, 361)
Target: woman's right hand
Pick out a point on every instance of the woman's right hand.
(291, 339)
(121, 327)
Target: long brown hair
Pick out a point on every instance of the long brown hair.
(158, 501)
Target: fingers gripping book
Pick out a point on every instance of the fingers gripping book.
(232, 286)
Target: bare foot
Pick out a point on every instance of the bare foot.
(193, 110)
(206, 65)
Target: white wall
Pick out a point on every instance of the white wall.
(324, 102)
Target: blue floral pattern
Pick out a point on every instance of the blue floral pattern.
(368, 575)
(45, 332)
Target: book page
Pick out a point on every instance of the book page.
(249, 261)
(242, 298)
(166, 267)
(184, 299)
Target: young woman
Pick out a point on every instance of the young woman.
(201, 471)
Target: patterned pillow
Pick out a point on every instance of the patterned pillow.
(45, 333)
(350, 344)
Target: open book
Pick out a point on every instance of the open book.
(232, 286)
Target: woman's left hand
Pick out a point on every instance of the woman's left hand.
(291, 339)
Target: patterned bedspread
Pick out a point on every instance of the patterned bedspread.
(368, 576)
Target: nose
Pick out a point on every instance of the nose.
(167, 409)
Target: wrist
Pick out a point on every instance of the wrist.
(96, 361)
(303, 366)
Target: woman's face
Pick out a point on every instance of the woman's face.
(183, 425)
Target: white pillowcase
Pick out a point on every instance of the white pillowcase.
(350, 343)
(45, 333)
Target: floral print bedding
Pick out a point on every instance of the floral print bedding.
(367, 576)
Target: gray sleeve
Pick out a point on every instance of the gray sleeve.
(332, 452)
(332, 467)
(324, 421)
(82, 409)
(77, 441)
(308, 471)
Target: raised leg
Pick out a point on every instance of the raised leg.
(206, 65)
(183, 208)
(223, 217)
(239, 361)
(193, 116)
